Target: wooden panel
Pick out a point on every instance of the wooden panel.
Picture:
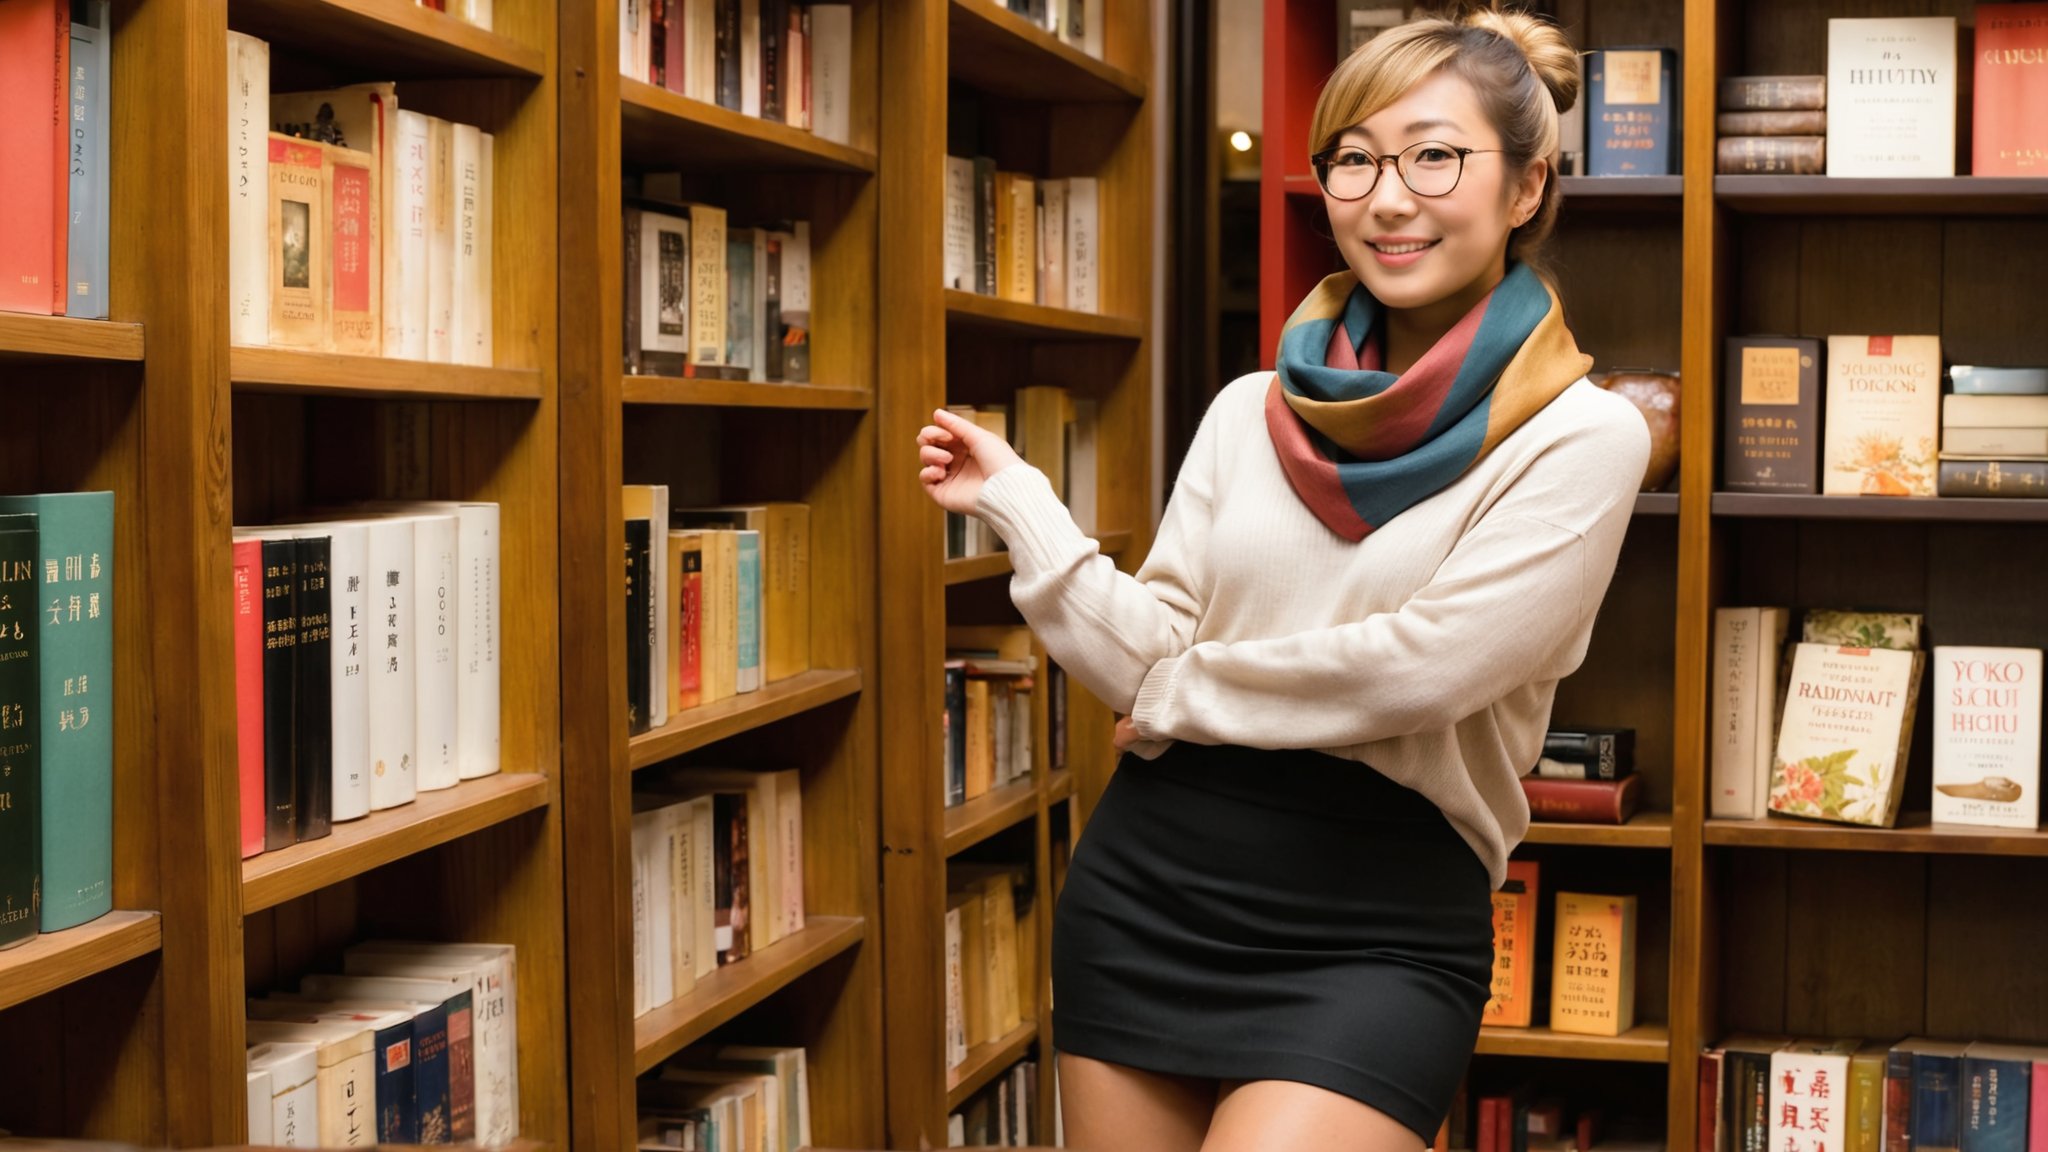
(404, 39)
(55, 959)
(1820, 196)
(25, 338)
(734, 988)
(1003, 53)
(710, 723)
(1985, 980)
(1646, 829)
(663, 129)
(1855, 967)
(973, 311)
(1913, 836)
(1619, 279)
(741, 394)
(1750, 970)
(976, 820)
(285, 370)
(1951, 508)
(1648, 1043)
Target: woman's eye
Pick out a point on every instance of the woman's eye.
(1433, 156)
(1350, 160)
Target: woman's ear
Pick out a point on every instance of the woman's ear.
(1528, 192)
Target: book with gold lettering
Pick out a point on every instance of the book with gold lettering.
(1771, 440)
(21, 809)
(1514, 947)
(1593, 968)
(1841, 752)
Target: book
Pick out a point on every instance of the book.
(440, 1009)
(957, 268)
(21, 724)
(1583, 801)
(663, 346)
(1605, 753)
(299, 243)
(1841, 752)
(1772, 122)
(248, 114)
(1746, 1061)
(294, 1093)
(1891, 96)
(1884, 409)
(650, 502)
(312, 690)
(493, 969)
(408, 235)
(785, 531)
(2011, 74)
(718, 669)
(1979, 411)
(794, 316)
(1898, 630)
(1083, 232)
(247, 569)
(1987, 736)
(392, 691)
(745, 344)
(1809, 1095)
(1747, 644)
(639, 626)
(1772, 424)
(1995, 443)
(1631, 101)
(1980, 380)
(1773, 93)
(1771, 155)
(1937, 1093)
(280, 688)
(2026, 479)
(1997, 1080)
(1592, 976)
(831, 46)
(35, 40)
(1866, 1097)
(441, 194)
(344, 1076)
(1514, 946)
(747, 554)
(88, 128)
(355, 301)
(686, 614)
(469, 297)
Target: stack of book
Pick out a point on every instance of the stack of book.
(1002, 1115)
(988, 721)
(731, 1098)
(991, 956)
(1016, 237)
(414, 1043)
(1585, 775)
(722, 608)
(705, 300)
(781, 60)
(366, 662)
(718, 874)
(1994, 432)
(56, 136)
(1772, 124)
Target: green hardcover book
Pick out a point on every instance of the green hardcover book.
(21, 808)
(75, 612)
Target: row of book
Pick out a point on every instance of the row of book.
(991, 956)
(1055, 432)
(718, 874)
(734, 1098)
(1077, 23)
(1585, 776)
(706, 300)
(412, 1043)
(1591, 976)
(719, 609)
(988, 723)
(1822, 727)
(1773, 125)
(56, 712)
(1520, 1120)
(781, 60)
(367, 655)
(1016, 237)
(1002, 1115)
(1778, 1094)
(1887, 427)
(355, 226)
(55, 67)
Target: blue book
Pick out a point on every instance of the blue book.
(1937, 1094)
(1996, 1080)
(750, 609)
(75, 604)
(86, 160)
(1975, 380)
(398, 1120)
(1632, 126)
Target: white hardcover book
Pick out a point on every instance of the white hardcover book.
(392, 695)
(405, 236)
(1987, 736)
(495, 1010)
(651, 857)
(436, 623)
(665, 284)
(1091, 29)
(478, 677)
(789, 841)
(248, 189)
(294, 1094)
(1080, 494)
(1732, 744)
(700, 41)
(676, 829)
(703, 878)
(831, 45)
(441, 195)
(1052, 247)
(959, 238)
(484, 353)
(468, 271)
(750, 57)
(345, 1075)
(1083, 222)
(629, 20)
(348, 584)
(478, 12)
(1770, 702)
(259, 1105)
(1892, 96)
(956, 1014)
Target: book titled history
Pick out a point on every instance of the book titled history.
(1841, 751)
(1892, 96)
(1593, 968)
(21, 807)
(1987, 736)
(1514, 947)
(1884, 415)
(1771, 397)
(2011, 78)
(1632, 125)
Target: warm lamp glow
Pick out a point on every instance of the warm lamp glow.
(1241, 140)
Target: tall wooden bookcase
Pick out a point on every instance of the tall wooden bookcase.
(1773, 926)
(1050, 111)
(131, 1027)
(720, 441)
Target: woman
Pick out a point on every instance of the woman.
(1342, 650)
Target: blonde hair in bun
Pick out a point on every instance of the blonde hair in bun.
(1522, 69)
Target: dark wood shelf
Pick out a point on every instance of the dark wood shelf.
(999, 52)
(356, 846)
(984, 816)
(291, 371)
(734, 988)
(1648, 1043)
(1914, 833)
(971, 311)
(1656, 503)
(24, 337)
(987, 1061)
(1060, 786)
(1845, 196)
(1644, 830)
(743, 394)
(994, 564)
(659, 128)
(1970, 508)
(54, 959)
(694, 728)
(399, 39)
(1645, 191)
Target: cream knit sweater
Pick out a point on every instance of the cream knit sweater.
(1430, 650)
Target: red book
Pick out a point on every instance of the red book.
(2037, 1109)
(30, 280)
(690, 629)
(2008, 136)
(248, 571)
(1553, 800)
(60, 150)
(1710, 1101)
(1488, 1137)
(672, 61)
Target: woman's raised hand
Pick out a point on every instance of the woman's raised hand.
(956, 456)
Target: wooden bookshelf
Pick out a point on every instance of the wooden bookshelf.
(971, 310)
(666, 131)
(394, 38)
(288, 371)
(1002, 53)
(1644, 830)
(52, 960)
(734, 988)
(968, 569)
(710, 723)
(1838, 196)
(986, 1061)
(25, 338)
(1914, 834)
(743, 394)
(1949, 509)
(1642, 1044)
(1657, 504)
(974, 821)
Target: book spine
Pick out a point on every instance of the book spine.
(313, 692)
(431, 1081)
(467, 302)
(1582, 801)
(2008, 78)
(442, 192)
(1774, 93)
(21, 788)
(831, 44)
(707, 287)
(1994, 1105)
(674, 60)
(28, 179)
(1937, 1102)
(392, 695)
(1992, 478)
(398, 1118)
(955, 729)
(1772, 123)
(1785, 155)
(2037, 1108)
(406, 231)
(462, 1101)
(355, 311)
(57, 98)
(984, 226)
(280, 692)
(1083, 221)
(480, 680)
(728, 828)
(795, 315)
(85, 157)
(637, 623)
(750, 57)
(774, 37)
(348, 584)
(436, 730)
(789, 844)
(1736, 638)
(1608, 753)
(1707, 1133)
(248, 589)
(749, 551)
(728, 49)
(690, 624)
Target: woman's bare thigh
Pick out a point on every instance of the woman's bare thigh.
(1116, 1108)
(1276, 1115)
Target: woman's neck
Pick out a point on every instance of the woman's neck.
(1412, 332)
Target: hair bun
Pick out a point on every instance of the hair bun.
(1550, 55)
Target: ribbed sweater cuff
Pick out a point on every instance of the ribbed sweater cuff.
(1153, 697)
(1021, 506)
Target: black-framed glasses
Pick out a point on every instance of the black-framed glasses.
(1429, 168)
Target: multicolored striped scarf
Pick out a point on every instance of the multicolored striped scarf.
(1361, 445)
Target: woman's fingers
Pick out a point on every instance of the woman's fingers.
(965, 431)
(933, 435)
(932, 455)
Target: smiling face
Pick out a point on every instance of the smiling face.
(1417, 252)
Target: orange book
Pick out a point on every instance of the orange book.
(31, 77)
(1593, 971)
(1514, 947)
(2008, 136)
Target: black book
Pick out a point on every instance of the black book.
(639, 605)
(956, 736)
(774, 28)
(313, 722)
(280, 692)
(733, 902)
(728, 47)
(985, 224)
(21, 781)
(1606, 753)
(773, 271)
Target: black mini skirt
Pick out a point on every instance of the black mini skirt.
(1240, 914)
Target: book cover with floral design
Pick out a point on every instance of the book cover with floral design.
(1842, 747)
(1880, 433)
